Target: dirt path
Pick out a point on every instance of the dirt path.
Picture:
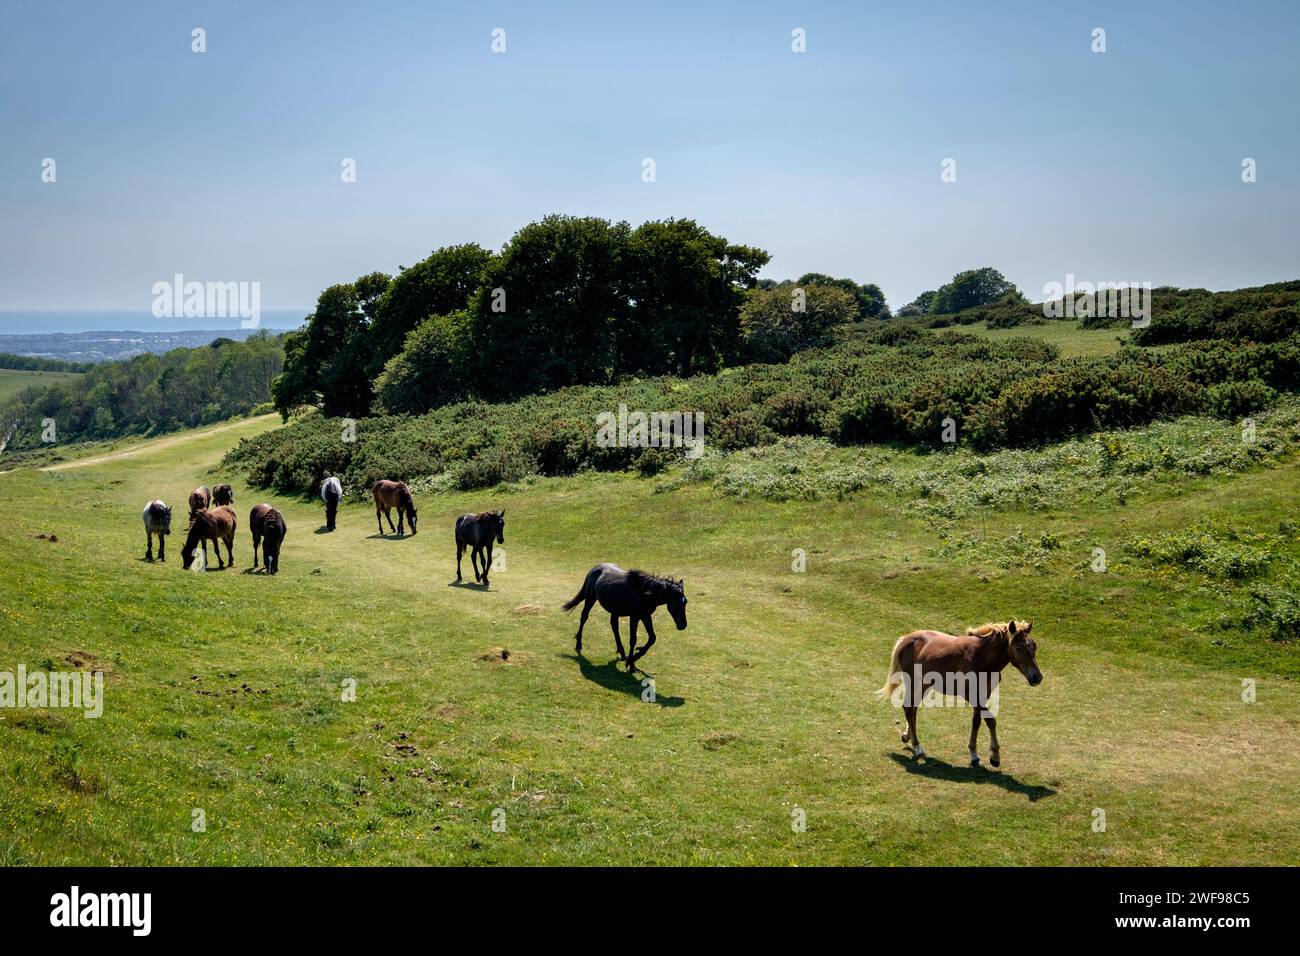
(151, 446)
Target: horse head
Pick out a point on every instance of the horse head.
(1023, 651)
(501, 526)
(166, 519)
(676, 602)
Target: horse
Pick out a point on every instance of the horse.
(632, 594)
(223, 495)
(389, 495)
(215, 525)
(200, 499)
(331, 492)
(477, 531)
(268, 529)
(157, 521)
(969, 666)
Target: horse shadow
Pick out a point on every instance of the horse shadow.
(612, 676)
(326, 529)
(941, 770)
(471, 585)
(389, 536)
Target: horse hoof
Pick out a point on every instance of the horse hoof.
(974, 760)
(918, 754)
(994, 761)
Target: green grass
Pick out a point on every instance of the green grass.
(224, 688)
(1072, 340)
(13, 381)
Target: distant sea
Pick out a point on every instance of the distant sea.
(43, 323)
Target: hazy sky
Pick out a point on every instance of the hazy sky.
(225, 165)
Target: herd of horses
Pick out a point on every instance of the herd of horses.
(966, 665)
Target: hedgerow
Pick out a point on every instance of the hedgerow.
(919, 392)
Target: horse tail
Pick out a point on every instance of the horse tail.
(892, 681)
(573, 602)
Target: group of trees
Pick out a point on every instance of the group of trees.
(568, 301)
(182, 388)
(967, 289)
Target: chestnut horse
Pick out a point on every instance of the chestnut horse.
(268, 529)
(223, 495)
(200, 498)
(969, 666)
(215, 525)
(631, 594)
(389, 495)
(478, 531)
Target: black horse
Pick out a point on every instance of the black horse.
(478, 531)
(631, 594)
(268, 529)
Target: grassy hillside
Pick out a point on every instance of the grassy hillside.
(13, 381)
(223, 689)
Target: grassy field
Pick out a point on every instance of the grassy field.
(1066, 335)
(224, 689)
(13, 381)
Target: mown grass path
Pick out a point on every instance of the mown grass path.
(224, 690)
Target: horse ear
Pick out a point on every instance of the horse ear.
(1012, 628)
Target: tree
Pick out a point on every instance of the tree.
(429, 371)
(438, 285)
(920, 305)
(685, 287)
(777, 323)
(546, 313)
(870, 300)
(971, 288)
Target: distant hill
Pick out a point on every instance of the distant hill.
(105, 346)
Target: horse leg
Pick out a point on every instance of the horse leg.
(378, 519)
(974, 735)
(650, 640)
(632, 622)
(148, 545)
(401, 518)
(582, 622)
(917, 751)
(473, 560)
(618, 639)
(460, 553)
(995, 754)
(487, 564)
(388, 516)
(257, 539)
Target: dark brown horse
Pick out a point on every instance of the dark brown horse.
(389, 495)
(200, 499)
(215, 525)
(968, 665)
(268, 529)
(478, 532)
(157, 521)
(223, 495)
(631, 594)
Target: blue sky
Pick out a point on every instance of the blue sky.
(225, 166)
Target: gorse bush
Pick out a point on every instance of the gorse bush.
(1014, 393)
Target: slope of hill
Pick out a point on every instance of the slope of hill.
(226, 692)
